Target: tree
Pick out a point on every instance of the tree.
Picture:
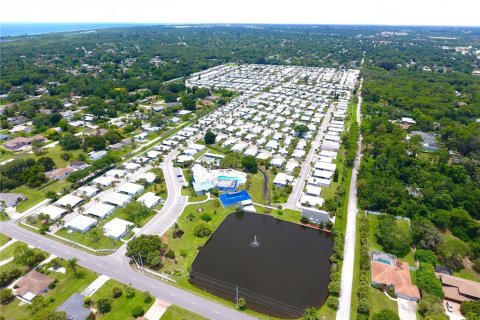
(427, 256)
(210, 137)
(69, 142)
(148, 249)
(249, 163)
(6, 296)
(430, 305)
(425, 234)
(470, 308)
(385, 314)
(136, 212)
(37, 147)
(104, 305)
(301, 129)
(202, 229)
(394, 239)
(47, 163)
(427, 282)
(50, 315)
(72, 264)
(310, 313)
(25, 256)
(452, 252)
(116, 292)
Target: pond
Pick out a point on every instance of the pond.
(279, 268)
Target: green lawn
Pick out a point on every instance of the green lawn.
(8, 251)
(68, 284)
(85, 239)
(283, 214)
(33, 197)
(55, 153)
(3, 239)
(121, 306)
(192, 197)
(254, 187)
(176, 313)
(373, 226)
(379, 301)
(468, 274)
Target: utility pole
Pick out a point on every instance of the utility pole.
(236, 295)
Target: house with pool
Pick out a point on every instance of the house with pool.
(226, 180)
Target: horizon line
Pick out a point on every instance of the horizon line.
(243, 23)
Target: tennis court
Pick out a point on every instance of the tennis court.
(230, 199)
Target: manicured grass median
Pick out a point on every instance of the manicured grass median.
(86, 239)
(122, 306)
(176, 313)
(3, 239)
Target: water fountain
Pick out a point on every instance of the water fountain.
(254, 243)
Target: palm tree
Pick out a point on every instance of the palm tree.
(72, 264)
(310, 313)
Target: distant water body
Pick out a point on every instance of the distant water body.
(17, 29)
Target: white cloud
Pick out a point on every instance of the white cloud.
(402, 12)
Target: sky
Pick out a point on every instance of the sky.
(383, 12)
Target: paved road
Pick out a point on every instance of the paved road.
(298, 188)
(349, 251)
(119, 269)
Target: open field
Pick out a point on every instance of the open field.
(176, 313)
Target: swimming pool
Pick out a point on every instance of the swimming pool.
(229, 178)
(383, 260)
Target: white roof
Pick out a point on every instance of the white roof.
(282, 178)
(196, 146)
(325, 159)
(311, 200)
(104, 181)
(100, 210)
(277, 161)
(263, 155)
(131, 188)
(118, 199)
(81, 223)
(116, 227)
(53, 211)
(149, 199)
(87, 191)
(183, 158)
(325, 166)
(313, 190)
(131, 166)
(328, 153)
(69, 199)
(115, 172)
(149, 176)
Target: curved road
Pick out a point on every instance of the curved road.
(117, 265)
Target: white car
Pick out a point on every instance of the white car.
(449, 307)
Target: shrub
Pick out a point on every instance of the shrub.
(430, 305)
(116, 292)
(470, 307)
(170, 254)
(129, 292)
(427, 256)
(138, 311)
(104, 305)
(6, 296)
(304, 220)
(177, 233)
(43, 229)
(363, 306)
(332, 302)
(206, 217)
(386, 314)
(147, 297)
(427, 282)
(202, 229)
(242, 304)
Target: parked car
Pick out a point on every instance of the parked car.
(449, 307)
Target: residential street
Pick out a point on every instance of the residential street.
(294, 197)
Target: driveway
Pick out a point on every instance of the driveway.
(407, 310)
